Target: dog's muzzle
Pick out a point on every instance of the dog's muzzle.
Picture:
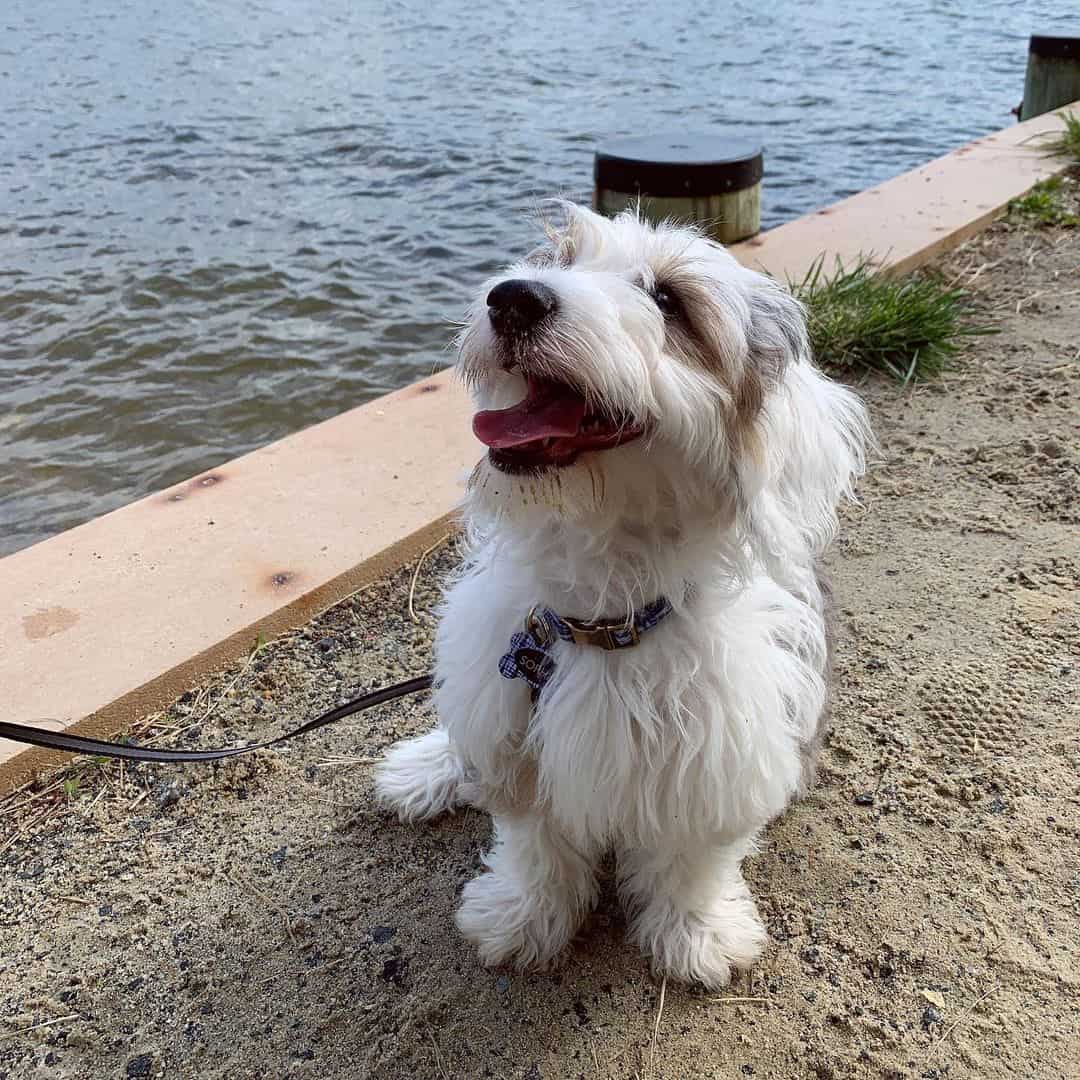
(517, 306)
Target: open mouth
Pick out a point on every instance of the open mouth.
(550, 427)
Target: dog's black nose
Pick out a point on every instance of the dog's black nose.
(519, 305)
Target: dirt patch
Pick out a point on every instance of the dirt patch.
(262, 919)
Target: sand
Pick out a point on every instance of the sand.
(263, 919)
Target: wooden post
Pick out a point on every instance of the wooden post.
(1053, 75)
(714, 182)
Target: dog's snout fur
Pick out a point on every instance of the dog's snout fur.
(519, 305)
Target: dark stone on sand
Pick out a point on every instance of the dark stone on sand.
(395, 968)
(140, 1066)
(864, 799)
(278, 857)
(581, 1012)
(167, 793)
(326, 644)
(382, 934)
(930, 1016)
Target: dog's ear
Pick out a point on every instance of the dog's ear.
(808, 443)
(777, 335)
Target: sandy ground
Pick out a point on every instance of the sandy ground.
(263, 919)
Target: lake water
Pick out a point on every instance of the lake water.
(223, 220)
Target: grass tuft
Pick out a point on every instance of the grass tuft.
(908, 327)
(1068, 142)
(1044, 205)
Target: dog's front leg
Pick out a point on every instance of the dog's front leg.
(421, 777)
(691, 909)
(537, 890)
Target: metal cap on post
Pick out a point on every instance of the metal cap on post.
(1053, 74)
(707, 179)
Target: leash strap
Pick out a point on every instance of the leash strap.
(77, 744)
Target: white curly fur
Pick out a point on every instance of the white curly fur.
(676, 752)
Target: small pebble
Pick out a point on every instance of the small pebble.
(140, 1066)
(395, 969)
(167, 793)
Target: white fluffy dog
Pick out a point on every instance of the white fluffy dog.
(664, 470)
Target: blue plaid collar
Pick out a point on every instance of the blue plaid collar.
(607, 635)
(529, 656)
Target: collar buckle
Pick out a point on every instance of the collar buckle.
(608, 636)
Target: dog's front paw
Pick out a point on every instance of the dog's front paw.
(510, 924)
(703, 946)
(420, 777)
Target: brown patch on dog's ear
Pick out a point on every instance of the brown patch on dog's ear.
(749, 396)
(776, 338)
(777, 331)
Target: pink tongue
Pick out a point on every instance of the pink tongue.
(547, 410)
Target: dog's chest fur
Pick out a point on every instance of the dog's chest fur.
(695, 730)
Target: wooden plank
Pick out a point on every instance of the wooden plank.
(910, 220)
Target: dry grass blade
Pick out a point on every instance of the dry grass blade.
(656, 1026)
(29, 827)
(36, 1027)
(416, 573)
(438, 1056)
(344, 762)
(959, 1020)
(1065, 143)
(286, 918)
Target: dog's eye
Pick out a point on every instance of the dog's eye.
(666, 301)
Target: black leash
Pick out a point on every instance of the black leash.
(76, 744)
